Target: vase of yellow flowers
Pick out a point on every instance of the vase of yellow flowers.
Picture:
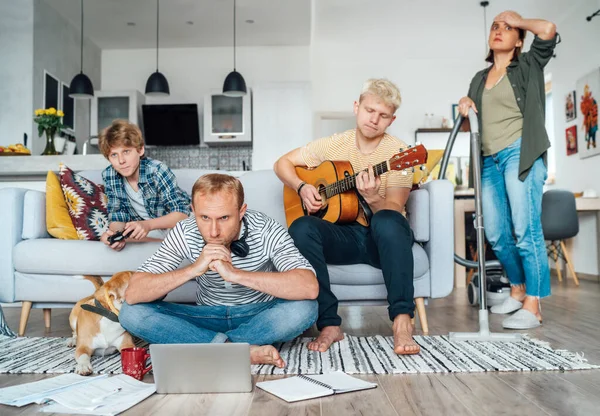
(49, 122)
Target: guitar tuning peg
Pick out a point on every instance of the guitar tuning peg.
(409, 146)
(413, 170)
(423, 167)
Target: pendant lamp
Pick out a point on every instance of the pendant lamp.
(157, 85)
(81, 86)
(234, 85)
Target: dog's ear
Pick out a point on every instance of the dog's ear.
(112, 294)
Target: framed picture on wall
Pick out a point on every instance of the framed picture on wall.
(51, 91)
(68, 107)
(571, 138)
(588, 95)
(571, 107)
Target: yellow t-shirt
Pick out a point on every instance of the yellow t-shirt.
(342, 146)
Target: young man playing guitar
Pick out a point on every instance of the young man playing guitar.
(386, 243)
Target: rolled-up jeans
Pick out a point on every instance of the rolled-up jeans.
(255, 323)
(512, 218)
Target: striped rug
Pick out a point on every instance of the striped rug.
(353, 355)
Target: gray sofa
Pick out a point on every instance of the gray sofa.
(42, 272)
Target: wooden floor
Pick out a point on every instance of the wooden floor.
(571, 321)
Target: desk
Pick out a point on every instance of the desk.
(462, 206)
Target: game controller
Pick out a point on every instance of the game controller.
(118, 236)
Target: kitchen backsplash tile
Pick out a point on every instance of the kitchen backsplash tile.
(194, 157)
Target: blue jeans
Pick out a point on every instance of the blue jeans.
(256, 323)
(386, 244)
(512, 218)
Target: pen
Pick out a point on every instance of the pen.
(98, 399)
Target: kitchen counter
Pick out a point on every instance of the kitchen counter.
(35, 168)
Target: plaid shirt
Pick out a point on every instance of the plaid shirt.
(159, 188)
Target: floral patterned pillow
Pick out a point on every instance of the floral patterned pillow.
(87, 204)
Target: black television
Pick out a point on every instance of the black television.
(171, 124)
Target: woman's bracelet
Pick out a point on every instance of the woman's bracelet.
(300, 187)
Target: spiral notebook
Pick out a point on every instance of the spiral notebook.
(303, 387)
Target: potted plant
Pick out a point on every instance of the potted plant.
(49, 121)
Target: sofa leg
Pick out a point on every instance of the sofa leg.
(420, 302)
(25, 309)
(47, 312)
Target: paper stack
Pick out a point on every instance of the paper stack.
(71, 393)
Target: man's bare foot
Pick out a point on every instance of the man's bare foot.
(532, 304)
(328, 336)
(266, 354)
(404, 344)
(517, 292)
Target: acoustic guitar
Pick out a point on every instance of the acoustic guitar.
(336, 183)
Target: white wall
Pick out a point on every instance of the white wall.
(577, 55)
(56, 49)
(193, 72)
(16, 70)
(430, 55)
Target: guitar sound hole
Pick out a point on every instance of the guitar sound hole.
(323, 211)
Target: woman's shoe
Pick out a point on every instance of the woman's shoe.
(509, 305)
(523, 319)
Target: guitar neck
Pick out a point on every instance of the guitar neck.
(349, 182)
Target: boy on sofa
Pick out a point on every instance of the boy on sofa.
(252, 283)
(386, 243)
(144, 201)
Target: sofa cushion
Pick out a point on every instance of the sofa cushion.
(363, 274)
(34, 215)
(87, 204)
(417, 214)
(53, 256)
(264, 192)
(433, 158)
(58, 220)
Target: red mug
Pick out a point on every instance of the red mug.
(133, 362)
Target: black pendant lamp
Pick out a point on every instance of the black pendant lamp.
(234, 85)
(81, 86)
(157, 85)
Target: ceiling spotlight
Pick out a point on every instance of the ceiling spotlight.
(250, 21)
(189, 22)
(130, 23)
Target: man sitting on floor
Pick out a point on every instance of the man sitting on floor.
(387, 242)
(254, 286)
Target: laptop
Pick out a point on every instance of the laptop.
(201, 368)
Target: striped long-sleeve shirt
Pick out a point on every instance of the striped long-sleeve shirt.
(271, 250)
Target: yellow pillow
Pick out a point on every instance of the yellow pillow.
(433, 158)
(58, 220)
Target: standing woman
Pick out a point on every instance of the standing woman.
(509, 98)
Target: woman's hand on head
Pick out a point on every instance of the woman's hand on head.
(512, 19)
(464, 105)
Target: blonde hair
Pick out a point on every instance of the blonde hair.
(213, 183)
(385, 89)
(120, 133)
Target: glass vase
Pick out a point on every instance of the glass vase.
(50, 149)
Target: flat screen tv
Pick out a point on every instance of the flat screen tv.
(171, 124)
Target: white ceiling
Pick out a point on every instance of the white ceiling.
(285, 22)
(276, 22)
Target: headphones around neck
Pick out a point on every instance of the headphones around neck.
(239, 247)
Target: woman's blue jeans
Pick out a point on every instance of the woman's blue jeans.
(512, 218)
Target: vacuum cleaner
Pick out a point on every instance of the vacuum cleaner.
(484, 333)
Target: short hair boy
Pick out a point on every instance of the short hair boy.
(144, 201)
